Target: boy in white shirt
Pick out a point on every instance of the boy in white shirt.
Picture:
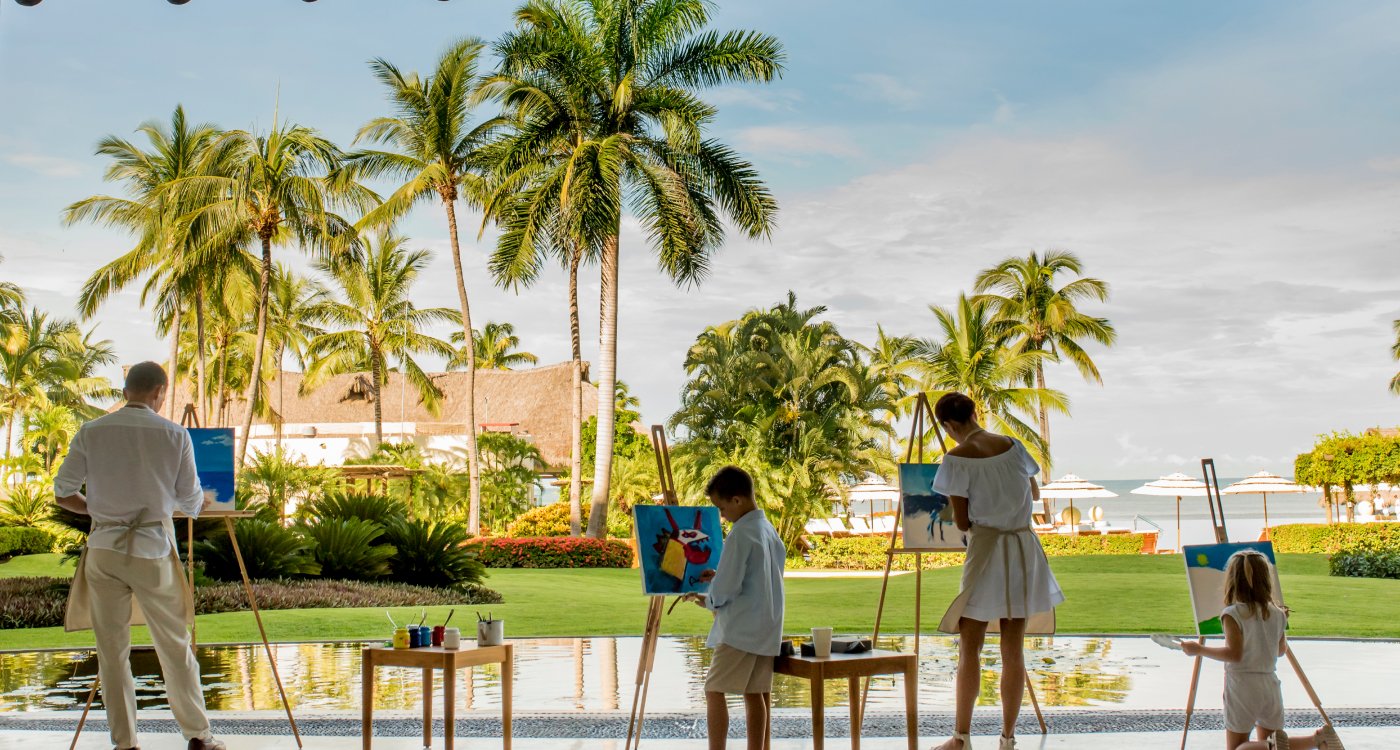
(746, 597)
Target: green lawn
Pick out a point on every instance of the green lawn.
(1137, 594)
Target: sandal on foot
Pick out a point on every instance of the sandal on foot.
(1008, 743)
(1328, 739)
(1278, 740)
(964, 738)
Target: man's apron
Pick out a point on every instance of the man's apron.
(985, 543)
(78, 615)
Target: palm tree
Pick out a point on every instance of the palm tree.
(279, 188)
(1395, 352)
(1046, 319)
(378, 320)
(969, 358)
(496, 349)
(435, 155)
(49, 432)
(11, 308)
(295, 304)
(154, 214)
(629, 71)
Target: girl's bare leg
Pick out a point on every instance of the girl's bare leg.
(1013, 673)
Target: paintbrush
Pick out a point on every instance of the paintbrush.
(423, 619)
(449, 617)
(391, 619)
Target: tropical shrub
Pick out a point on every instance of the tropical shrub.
(1093, 544)
(554, 552)
(27, 504)
(23, 540)
(433, 554)
(508, 478)
(349, 549)
(32, 602)
(866, 553)
(40, 602)
(1310, 538)
(276, 479)
(342, 506)
(1363, 562)
(553, 520)
(269, 551)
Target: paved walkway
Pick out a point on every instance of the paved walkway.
(1356, 739)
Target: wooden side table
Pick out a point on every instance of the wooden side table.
(852, 667)
(429, 659)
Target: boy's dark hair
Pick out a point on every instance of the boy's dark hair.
(730, 482)
(954, 407)
(145, 377)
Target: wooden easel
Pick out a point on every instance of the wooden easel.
(923, 420)
(1217, 522)
(647, 659)
(191, 419)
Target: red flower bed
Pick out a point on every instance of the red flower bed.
(553, 552)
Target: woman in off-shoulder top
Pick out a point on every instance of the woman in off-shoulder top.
(1007, 585)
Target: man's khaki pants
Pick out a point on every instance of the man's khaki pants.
(113, 578)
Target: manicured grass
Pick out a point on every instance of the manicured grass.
(48, 565)
(1131, 594)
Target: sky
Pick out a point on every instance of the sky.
(1231, 169)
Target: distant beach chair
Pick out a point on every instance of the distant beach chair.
(884, 524)
(818, 527)
(838, 527)
(860, 527)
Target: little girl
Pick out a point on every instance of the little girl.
(1254, 640)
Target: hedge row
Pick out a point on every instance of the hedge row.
(1366, 563)
(553, 552)
(23, 540)
(1317, 538)
(40, 602)
(868, 553)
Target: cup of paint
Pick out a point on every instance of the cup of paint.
(425, 635)
(415, 637)
(821, 642)
(438, 631)
(490, 632)
(452, 638)
(402, 638)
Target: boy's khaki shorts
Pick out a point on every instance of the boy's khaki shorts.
(735, 671)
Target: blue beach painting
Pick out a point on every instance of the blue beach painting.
(213, 459)
(1205, 574)
(927, 516)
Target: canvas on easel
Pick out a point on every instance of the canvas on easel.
(213, 461)
(926, 517)
(1205, 570)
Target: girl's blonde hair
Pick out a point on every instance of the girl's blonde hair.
(1249, 582)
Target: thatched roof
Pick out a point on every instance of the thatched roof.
(534, 401)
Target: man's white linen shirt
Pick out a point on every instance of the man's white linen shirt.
(132, 460)
(746, 594)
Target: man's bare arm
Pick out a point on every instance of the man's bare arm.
(73, 503)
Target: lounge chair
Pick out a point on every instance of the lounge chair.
(884, 524)
(818, 527)
(838, 527)
(860, 527)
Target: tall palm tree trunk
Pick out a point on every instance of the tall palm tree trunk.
(202, 397)
(576, 402)
(607, 390)
(1044, 423)
(223, 383)
(377, 373)
(473, 460)
(264, 288)
(174, 358)
(281, 398)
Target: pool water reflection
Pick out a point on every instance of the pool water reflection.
(596, 674)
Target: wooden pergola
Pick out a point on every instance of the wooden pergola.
(353, 476)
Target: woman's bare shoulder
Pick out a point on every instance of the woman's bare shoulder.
(995, 446)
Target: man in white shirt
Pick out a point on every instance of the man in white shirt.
(746, 596)
(138, 468)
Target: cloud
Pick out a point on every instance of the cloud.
(48, 166)
(885, 88)
(767, 99)
(220, 439)
(789, 141)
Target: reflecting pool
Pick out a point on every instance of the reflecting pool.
(597, 674)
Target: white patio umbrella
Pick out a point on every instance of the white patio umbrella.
(873, 490)
(1069, 487)
(1264, 483)
(1176, 485)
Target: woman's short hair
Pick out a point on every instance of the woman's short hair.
(954, 407)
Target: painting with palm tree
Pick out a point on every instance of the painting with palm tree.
(213, 459)
(926, 517)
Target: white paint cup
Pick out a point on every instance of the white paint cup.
(821, 642)
(490, 632)
(452, 638)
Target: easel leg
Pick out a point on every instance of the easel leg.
(644, 663)
(87, 708)
(1307, 685)
(257, 616)
(189, 569)
(1035, 703)
(880, 611)
(1191, 695)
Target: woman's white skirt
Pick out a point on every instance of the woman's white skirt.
(1006, 576)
